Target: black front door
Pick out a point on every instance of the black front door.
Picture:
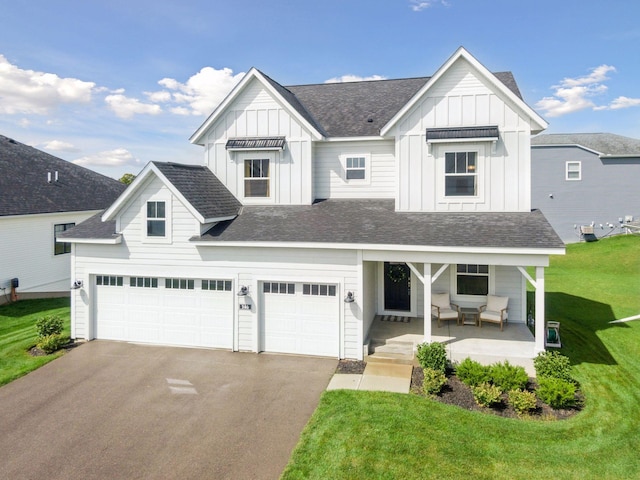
(397, 286)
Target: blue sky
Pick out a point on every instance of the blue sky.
(114, 84)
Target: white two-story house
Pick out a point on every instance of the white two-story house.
(319, 207)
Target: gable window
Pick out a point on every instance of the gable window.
(472, 279)
(156, 219)
(256, 177)
(61, 247)
(573, 171)
(460, 174)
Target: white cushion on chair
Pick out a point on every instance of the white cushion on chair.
(495, 304)
(440, 300)
(447, 313)
(490, 316)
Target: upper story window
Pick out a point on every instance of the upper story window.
(461, 174)
(573, 171)
(472, 279)
(156, 219)
(61, 247)
(256, 178)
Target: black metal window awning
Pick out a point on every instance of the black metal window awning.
(256, 143)
(487, 134)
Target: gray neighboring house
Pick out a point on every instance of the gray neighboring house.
(40, 197)
(586, 179)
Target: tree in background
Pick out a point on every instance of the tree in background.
(127, 178)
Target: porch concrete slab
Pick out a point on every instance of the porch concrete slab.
(345, 381)
(381, 383)
(388, 370)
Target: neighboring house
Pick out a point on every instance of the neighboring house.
(40, 197)
(318, 207)
(586, 180)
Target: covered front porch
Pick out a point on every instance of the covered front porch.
(394, 337)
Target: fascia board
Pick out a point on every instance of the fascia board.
(569, 145)
(102, 241)
(356, 139)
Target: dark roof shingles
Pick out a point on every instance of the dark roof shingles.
(92, 228)
(24, 188)
(607, 144)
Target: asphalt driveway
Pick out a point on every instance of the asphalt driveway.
(116, 410)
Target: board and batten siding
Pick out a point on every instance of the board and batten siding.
(256, 113)
(462, 97)
(28, 252)
(607, 191)
(329, 169)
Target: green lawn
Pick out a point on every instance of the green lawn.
(18, 334)
(372, 435)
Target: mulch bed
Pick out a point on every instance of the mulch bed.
(457, 393)
(36, 352)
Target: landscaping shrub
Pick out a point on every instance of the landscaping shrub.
(472, 373)
(522, 401)
(486, 394)
(508, 377)
(553, 364)
(49, 325)
(555, 392)
(432, 355)
(51, 343)
(433, 382)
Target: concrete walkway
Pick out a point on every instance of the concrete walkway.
(384, 377)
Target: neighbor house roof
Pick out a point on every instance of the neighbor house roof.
(375, 222)
(25, 187)
(605, 144)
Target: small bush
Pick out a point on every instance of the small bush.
(522, 401)
(49, 325)
(51, 343)
(432, 355)
(433, 382)
(556, 393)
(486, 394)
(471, 373)
(508, 377)
(553, 364)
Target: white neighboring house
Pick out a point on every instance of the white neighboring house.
(41, 196)
(319, 207)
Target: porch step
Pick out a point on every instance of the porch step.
(393, 351)
(395, 358)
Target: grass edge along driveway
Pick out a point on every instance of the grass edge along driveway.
(379, 435)
(18, 334)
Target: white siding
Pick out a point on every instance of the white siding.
(370, 276)
(28, 252)
(256, 113)
(510, 283)
(462, 97)
(329, 174)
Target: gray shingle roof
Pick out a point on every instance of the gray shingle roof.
(92, 228)
(605, 143)
(201, 188)
(354, 109)
(24, 188)
(376, 222)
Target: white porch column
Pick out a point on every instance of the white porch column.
(427, 302)
(540, 320)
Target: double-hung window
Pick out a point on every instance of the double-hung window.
(355, 168)
(256, 177)
(461, 174)
(61, 247)
(156, 219)
(573, 171)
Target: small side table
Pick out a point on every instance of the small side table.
(469, 315)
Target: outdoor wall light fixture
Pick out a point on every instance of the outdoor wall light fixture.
(76, 285)
(244, 291)
(349, 298)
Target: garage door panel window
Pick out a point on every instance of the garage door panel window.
(279, 287)
(109, 280)
(179, 283)
(319, 289)
(145, 282)
(218, 285)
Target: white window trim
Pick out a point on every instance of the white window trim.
(566, 170)
(481, 157)
(475, 300)
(258, 155)
(367, 168)
(168, 236)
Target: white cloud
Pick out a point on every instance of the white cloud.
(60, 146)
(574, 94)
(127, 107)
(419, 5)
(354, 78)
(110, 158)
(158, 97)
(32, 92)
(620, 103)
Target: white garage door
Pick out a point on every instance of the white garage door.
(171, 311)
(300, 318)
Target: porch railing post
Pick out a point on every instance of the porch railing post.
(540, 317)
(427, 302)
